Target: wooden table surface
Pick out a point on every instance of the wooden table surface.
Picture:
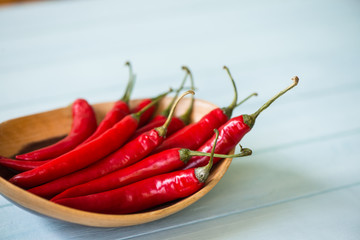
(303, 180)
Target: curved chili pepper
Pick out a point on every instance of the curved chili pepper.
(232, 132)
(83, 125)
(130, 153)
(160, 163)
(118, 111)
(194, 135)
(144, 194)
(84, 155)
(21, 165)
(140, 195)
(177, 122)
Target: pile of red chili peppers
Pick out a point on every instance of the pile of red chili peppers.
(134, 160)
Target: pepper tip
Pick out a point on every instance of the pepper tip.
(295, 79)
(186, 69)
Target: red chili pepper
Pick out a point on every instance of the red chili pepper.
(21, 165)
(130, 153)
(144, 194)
(118, 111)
(160, 163)
(84, 155)
(232, 132)
(83, 125)
(194, 135)
(176, 123)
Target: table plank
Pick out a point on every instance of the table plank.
(301, 182)
(269, 222)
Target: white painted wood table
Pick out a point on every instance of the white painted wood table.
(303, 180)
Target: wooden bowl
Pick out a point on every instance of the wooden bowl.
(29, 132)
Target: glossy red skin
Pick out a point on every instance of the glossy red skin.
(230, 135)
(145, 117)
(140, 195)
(80, 157)
(83, 125)
(194, 135)
(153, 165)
(130, 153)
(20, 165)
(175, 125)
(117, 112)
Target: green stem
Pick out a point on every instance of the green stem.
(186, 116)
(228, 110)
(153, 102)
(247, 98)
(244, 152)
(202, 173)
(163, 129)
(130, 85)
(186, 154)
(166, 112)
(250, 119)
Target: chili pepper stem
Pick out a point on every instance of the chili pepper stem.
(186, 116)
(153, 102)
(250, 119)
(130, 85)
(228, 110)
(166, 112)
(245, 99)
(186, 154)
(163, 129)
(202, 173)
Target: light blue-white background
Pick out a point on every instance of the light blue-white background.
(303, 180)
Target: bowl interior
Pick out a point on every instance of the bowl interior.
(30, 132)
